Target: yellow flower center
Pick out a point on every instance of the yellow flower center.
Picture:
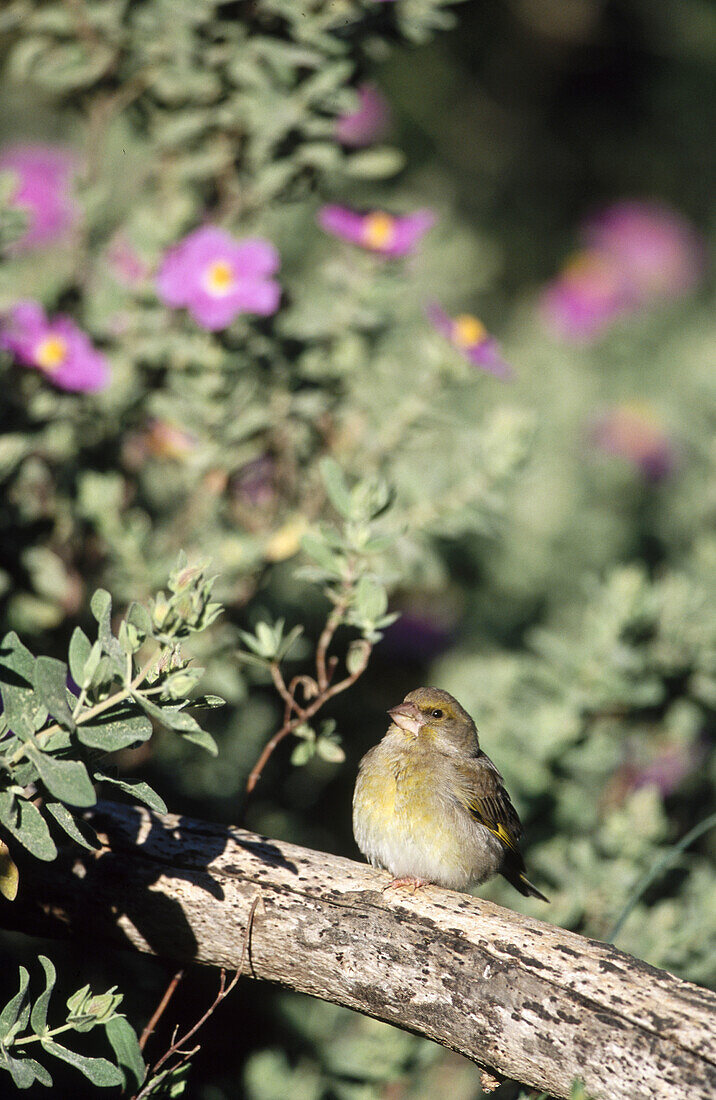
(378, 231)
(219, 278)
(286, 542)
(467, 331)
(51, 353)
(591, 268)
(641, 411)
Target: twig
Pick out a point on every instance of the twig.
(91, 712)
(176, 1044)
(290, 724)
(168, 994)
(332, 623)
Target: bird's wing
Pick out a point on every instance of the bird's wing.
(481, 791)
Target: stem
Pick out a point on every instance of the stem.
(224, 991)
(332, 623)
(280, 685)
(290, 724)
(654, 872)
(92, 712)
(158, 1011)
(47, 1035)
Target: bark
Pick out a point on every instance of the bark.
(520, 997)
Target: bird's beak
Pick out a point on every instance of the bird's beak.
(408, 717)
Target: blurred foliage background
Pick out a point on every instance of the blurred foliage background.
(549, 540)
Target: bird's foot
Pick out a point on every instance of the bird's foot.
(407, 881)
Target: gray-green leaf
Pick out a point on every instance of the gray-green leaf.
(336, 487)
(23, 710)
(38, 1017)
(77, 830)
(138, 789)
(31, 830)
(99, 1071)
(125, 1045)
(49, 678)
(67, 780)
(11, 1012)
(116, 729)
(79, 651)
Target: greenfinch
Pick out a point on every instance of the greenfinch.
(429, 804)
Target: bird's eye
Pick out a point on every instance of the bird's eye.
(437, 713)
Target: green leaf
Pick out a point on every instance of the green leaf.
(139, 618)
(101, 606)
(11, 1012)
(92, 665)
(38, 1017)
(97, 1009)
(377, 163)
(287, 644)
(330, 750)
(75, 1002)
(182, 722)
(8, 873)
(317, 549)
(203, 739)
(67, 780)
(336, 487)
(138, 789)
(29, 827)
(79, 651)
(125, 1045)
(50, 681)
(20, 1069)
(370, 600)
(209, 702)
(117, 728)
(77, 830)
(41, 1074)
(98, 1070)
(303, 752)
(23, 709)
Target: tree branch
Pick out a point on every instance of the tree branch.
(520, 997)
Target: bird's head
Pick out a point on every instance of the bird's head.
(434, 716)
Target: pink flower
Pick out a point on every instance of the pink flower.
(43, 191)
(217, 277)
(125, 263)
(471, 339)
(655, 248)
(588, 295)
(369, 122)
(376, 230)
(636, 254)
(634, 431)
(56, 347)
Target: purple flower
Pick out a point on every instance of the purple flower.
(56, 347)
(636, 253)
(124, 261)
(43, 191)
(369, 122)
(656, 250)
(471, 339)
(217, 277)
(588, 295)
(633, 431)
(419, 634)
(376, 230)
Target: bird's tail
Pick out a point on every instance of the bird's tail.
(523, 884)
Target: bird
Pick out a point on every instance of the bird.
(430, 806)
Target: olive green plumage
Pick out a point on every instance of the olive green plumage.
(430, 806)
